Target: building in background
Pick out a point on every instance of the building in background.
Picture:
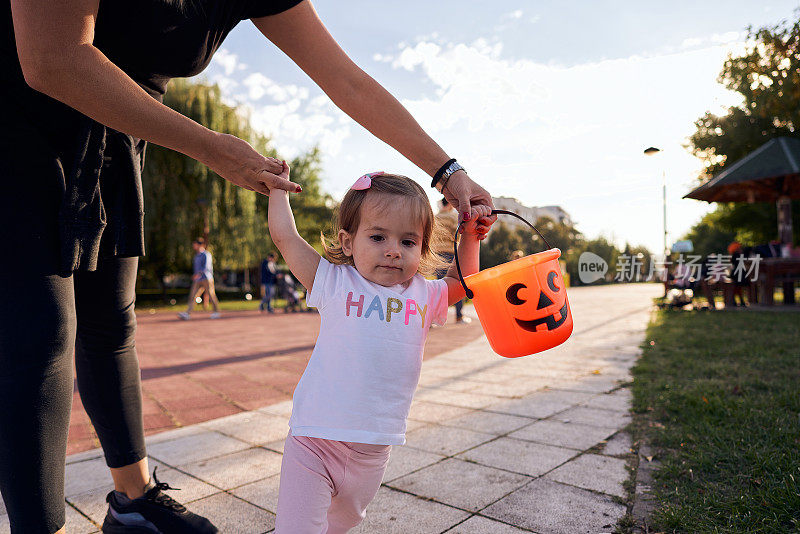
(531, 214)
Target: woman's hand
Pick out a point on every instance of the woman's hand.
(464, 195)
(239, 163)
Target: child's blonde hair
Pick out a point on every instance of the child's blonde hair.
(348, 217)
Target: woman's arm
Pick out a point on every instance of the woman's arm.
(300, 34)
(468, 255)
(54, 45)
(301, 257)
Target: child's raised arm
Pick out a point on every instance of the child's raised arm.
(468, 254)
(301, 257)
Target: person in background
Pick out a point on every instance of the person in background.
(268, 279)
(203, 278)
(447, 218)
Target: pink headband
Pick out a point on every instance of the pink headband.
(365, 181)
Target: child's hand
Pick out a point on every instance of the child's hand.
(285, 174)
(472, 227)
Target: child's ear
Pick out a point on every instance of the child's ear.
(346, 242)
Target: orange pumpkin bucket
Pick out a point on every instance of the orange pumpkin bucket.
(522, 305)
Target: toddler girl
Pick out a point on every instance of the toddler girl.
(352, 401)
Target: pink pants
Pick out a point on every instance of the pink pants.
(326, 485)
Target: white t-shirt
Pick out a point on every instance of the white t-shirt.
(365, 366)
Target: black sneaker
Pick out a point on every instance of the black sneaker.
(155, 512)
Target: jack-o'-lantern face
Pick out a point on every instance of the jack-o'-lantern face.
(545, 300)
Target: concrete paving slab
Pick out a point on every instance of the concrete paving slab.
(170, 435)
(283, 408)
(93, 503)
(231, 514)
(512, 389)
(461, 484)
(455, 398)
(619, 444)
(572, 435)
(489, 423)
(263, 493)
(83, 456)
(592, 384)
(195, 447)
(432, 412)
(619, 400)
(594, 472)
(482, 525)
(445, 440)
(395, 512)
(235, 469)
(85, 476)
(77, 523)
(519, 456)
(276, 446)
(548, 507)
(543, 404)
(594, 417)
(253, 427)
(405, 460)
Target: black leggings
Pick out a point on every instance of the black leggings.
(43, 317)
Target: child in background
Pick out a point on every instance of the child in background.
(352, 401)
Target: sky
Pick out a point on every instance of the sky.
(549, 102)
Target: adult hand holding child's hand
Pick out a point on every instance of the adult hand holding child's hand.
(239, 163)
(464, 194)
(473, 226)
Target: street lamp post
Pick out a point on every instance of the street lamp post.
(651, 151)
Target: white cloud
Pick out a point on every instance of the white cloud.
(549, 134)
(228, 61)
(259, 85)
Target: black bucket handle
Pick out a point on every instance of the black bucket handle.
(467, 290)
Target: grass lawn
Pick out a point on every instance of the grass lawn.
(224, 305)
(717, 395)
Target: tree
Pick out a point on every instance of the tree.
(767, 76)
(601, 246)
(500, 244)
(181, 193)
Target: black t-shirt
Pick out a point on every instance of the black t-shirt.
(100, 168)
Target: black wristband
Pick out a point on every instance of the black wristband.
(440, 172)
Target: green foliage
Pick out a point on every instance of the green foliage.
(709, 235)
(178, 190)
(767, 76)
(601, 246)
(503, 242)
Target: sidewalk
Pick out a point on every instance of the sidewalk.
(202, 369)
(494, 445)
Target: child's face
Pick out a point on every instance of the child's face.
(387, 246)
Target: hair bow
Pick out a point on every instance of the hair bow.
(365, 181)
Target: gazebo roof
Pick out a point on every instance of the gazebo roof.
(768, 172)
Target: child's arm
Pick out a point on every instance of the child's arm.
(301, 257)
(468, 255)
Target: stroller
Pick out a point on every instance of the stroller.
(287, 290)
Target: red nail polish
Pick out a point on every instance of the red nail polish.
(465, 215)
(299, 189)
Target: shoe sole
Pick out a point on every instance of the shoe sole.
(125, 529)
